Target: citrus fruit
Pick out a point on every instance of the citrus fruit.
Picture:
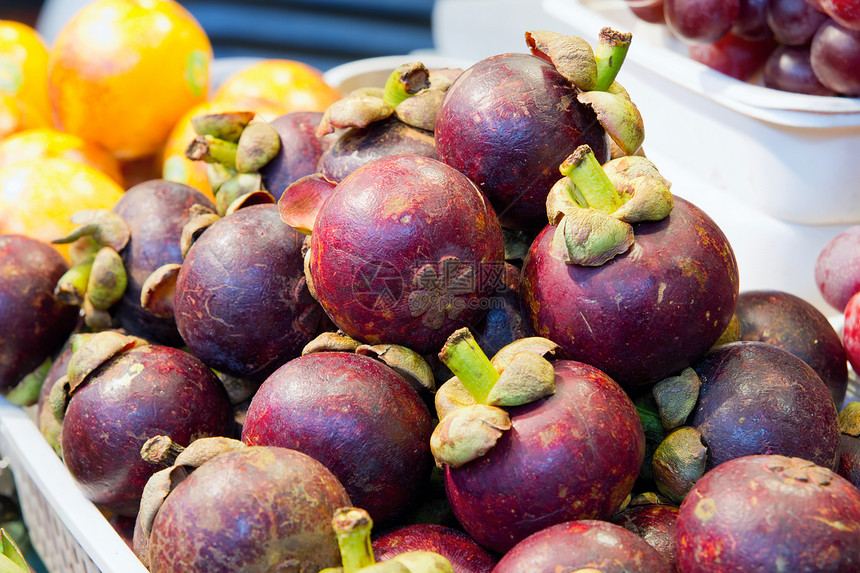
(296, 86)
(39, 196)
(46, 142)
(17, 115)
(122, 72)
(24, 65)
(176, 167)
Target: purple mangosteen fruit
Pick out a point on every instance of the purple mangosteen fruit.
(791, 323)
(627, 277)
(583, 545)
(547, 442)
(405, 251)
(509, 120)
(155, 212)
(849, 446)
(757, 398)
(653, 522)
(35, 324)
(260, 508)
(299, 152)
(769, 513)
(464, 553)
(356, 416)
(118, 392)
(241, 300)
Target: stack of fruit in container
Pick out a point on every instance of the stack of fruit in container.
(455, 322)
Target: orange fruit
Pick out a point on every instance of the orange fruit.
(295, 86)
(122, 72)
(177, 167)
(24, 66)
(39, 196)
(47, 142)
(17, 115)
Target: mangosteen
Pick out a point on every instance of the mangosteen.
(464, 553)
(509, 120)
(260, 508)
(119, 391)
(760, 399)
(653, 522)
(849, 446)
(791, 323)
(355, 415)
(526, 443)
(35, 324)
(583, 545)
(627, 277)
(406, 251)
(769, 513)
(241, 301)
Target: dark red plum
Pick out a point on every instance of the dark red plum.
(146, 391)
(299, 152)
(465, 555)
(34, 323)
(655, 523)
(253, 509)
(507, 122)
(355, 415)
(759, 399)
(793, 324)
(766, 513)
(155, 212)
(587, 545)
(405, 251)
(358, 146)
(560, 461)
(241, 303)
(647, 313)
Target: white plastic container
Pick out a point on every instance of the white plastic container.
(68, 532)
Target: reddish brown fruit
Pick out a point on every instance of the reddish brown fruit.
(655, 523)
(465, 555)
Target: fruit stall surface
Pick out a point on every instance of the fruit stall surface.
(446, 285)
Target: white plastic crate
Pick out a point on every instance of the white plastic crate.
(67, 531)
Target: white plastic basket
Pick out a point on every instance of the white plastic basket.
(68, 532)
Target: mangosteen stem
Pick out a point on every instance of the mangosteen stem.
(212, 150)
(161, 450)
(591, 180)
(468, 362)
(609, 54)
(352, 527)
(405, 81)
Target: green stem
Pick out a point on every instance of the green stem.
(468, 362)
(610, 52)
(352, 527)
(405, 81)
(212, 150)
(591, 180)
(26, 392)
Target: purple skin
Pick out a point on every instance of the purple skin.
(299, 153)
(242, 304)
(753, 512)
(793, 324)
(155, 212)
(356, 147)
(789, 68)
(583, 544)
(504, 322)
(558, 462)
(646, 314)
(508, 122)
(655, 523)
(760, 399)
(406, 251)
(254, 509)
(147, 391)
(465, 555)
(34, 324)
(849, 458)
(356, 416)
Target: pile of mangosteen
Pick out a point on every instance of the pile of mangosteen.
(464, 309)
